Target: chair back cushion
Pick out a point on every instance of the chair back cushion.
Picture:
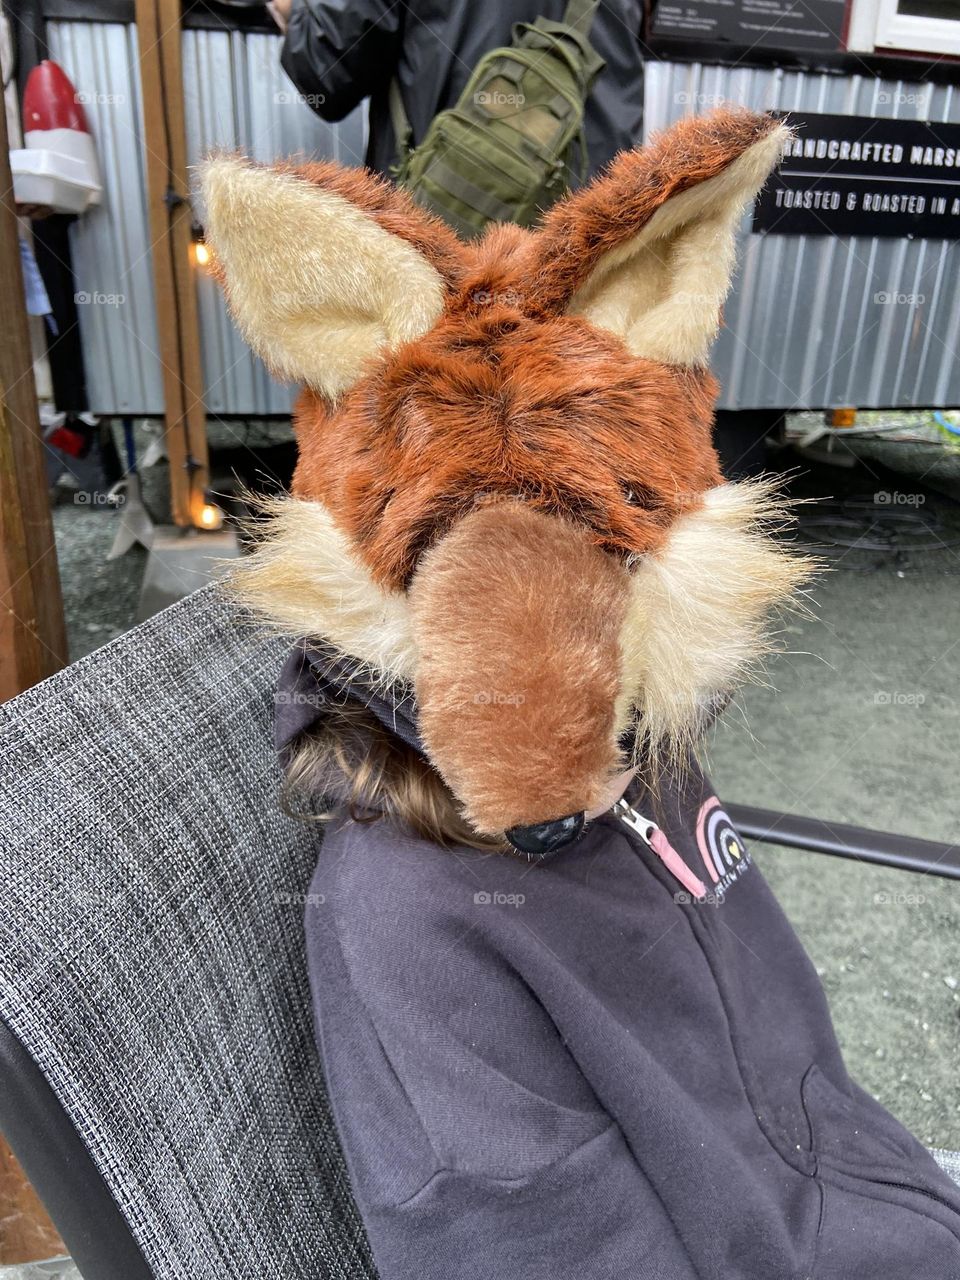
(151, 948)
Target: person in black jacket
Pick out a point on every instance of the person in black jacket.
(338, 52)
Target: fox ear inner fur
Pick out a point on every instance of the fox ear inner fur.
(324, 268)
(647, 251)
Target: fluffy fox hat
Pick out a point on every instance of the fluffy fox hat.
(506, 494)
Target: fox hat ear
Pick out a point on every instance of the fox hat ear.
(323, 267)
(647, 250)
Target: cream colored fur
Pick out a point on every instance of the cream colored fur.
(663, 291)
(304, 580)
(698, 614)
(316, 285)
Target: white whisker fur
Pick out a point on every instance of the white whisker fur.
(304, 579)
(698, 619)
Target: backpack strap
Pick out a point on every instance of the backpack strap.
(579, 14)
(402, 129)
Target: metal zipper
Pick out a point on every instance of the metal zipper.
(643, 827)
(655, 840)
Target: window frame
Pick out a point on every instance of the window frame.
(878, 25)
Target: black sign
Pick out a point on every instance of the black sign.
(777, 24)
(858, 176)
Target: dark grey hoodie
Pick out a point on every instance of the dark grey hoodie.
(579, 1069)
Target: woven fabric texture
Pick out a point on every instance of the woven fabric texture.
(949, 1162)
(151, 948)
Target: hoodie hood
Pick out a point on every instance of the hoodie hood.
(316, 676)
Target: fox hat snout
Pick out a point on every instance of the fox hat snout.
(506, 490)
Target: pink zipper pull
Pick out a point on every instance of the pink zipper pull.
(654, 838)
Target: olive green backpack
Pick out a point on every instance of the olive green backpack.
(502, 154)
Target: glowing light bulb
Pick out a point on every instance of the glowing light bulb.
(201, 254)
(210, 517)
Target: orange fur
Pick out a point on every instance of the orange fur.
(507, 395)
(493, 402)
(519, 617)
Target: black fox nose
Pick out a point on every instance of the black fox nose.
(543, 838)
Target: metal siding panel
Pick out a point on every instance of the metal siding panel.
(236, 96)
(111, 242)
(804, 327)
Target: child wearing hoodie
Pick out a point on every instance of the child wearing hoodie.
(566, 1029)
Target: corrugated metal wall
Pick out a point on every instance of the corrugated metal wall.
(111, 243)
(803, 326)
(236, 95)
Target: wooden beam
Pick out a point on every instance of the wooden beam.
(171, 217)
(26, 1232)
(33, 640)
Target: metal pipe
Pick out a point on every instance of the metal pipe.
(884, 848)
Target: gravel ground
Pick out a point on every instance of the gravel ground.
(99, 595)
(862, 725)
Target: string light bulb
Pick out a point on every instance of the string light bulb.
(209, 516)
(199, 248)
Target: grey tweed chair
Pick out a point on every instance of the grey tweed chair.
(158, 1078)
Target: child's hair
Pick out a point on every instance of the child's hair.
(350, 751)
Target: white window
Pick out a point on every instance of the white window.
(924, 26)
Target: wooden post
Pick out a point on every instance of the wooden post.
(33, 640)
(165, 148)
(26, 1232)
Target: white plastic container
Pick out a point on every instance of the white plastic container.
(63, 182)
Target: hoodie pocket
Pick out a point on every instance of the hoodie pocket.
(851, 1130)
(858, 1144)
(886, 1208)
